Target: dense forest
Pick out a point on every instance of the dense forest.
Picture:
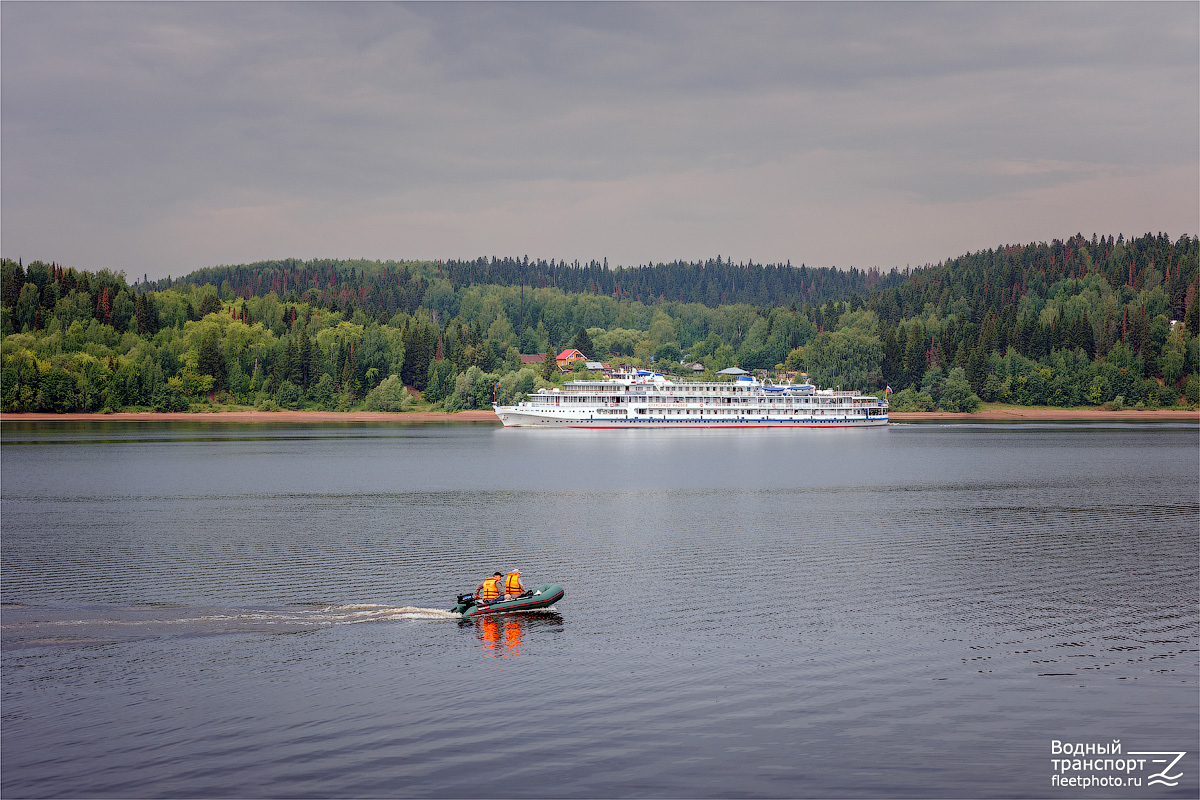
(1070, 323)
(390, 287)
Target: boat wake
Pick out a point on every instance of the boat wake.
(370, 612)
(26, 626)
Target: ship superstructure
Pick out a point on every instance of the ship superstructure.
(632, 398)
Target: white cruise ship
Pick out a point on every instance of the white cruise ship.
(640, 399)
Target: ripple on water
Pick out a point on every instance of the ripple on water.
(833, 615)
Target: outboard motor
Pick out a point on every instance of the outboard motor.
(465, 601)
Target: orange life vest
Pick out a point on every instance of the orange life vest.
(512, 584)
(491, 589)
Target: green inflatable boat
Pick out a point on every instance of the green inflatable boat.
(530, 600)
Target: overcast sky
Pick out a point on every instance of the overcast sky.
(158, 138)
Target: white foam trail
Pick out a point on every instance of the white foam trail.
(412, 612)
(362, 612)
(249, 619)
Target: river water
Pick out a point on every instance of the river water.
(207, 610)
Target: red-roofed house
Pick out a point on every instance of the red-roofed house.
(568, 357)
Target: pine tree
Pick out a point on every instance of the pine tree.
(299, 352)
(303, 360)
(583, 343)
(316, 363)
(13, 280)
(211, 361)
(914, 356)
(350, 379)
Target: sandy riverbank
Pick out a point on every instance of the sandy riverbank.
(1006, 414)
(1044, 414)
(251, 415)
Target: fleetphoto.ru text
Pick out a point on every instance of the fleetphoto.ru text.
(1086, 765)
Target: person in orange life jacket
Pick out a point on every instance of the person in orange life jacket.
(512, 584)
(490, 589)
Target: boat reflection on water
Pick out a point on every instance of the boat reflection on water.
(500, 640)
(502, 636)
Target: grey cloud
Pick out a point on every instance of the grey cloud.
(131, 114)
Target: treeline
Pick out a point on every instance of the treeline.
(714, 282)
(1073, 322)
(989, 280)
(380, 288)
(391, 286)
(74, 341)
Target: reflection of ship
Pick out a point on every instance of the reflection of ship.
(533, 600)
(640, 399)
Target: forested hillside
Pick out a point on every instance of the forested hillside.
(1074, 322)
(390, 286)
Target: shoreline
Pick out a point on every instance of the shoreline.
(252, 415)
(1007, 414)
(1049, 414)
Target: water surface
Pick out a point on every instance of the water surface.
(201, 609)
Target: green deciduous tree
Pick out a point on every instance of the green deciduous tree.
(57, 392)
(956, 394)
(849, 358)
(20, 380)
(668, 354)
(288, 395)
(389, 395)
(322, 391)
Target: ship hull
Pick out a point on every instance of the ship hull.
(514, 417)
